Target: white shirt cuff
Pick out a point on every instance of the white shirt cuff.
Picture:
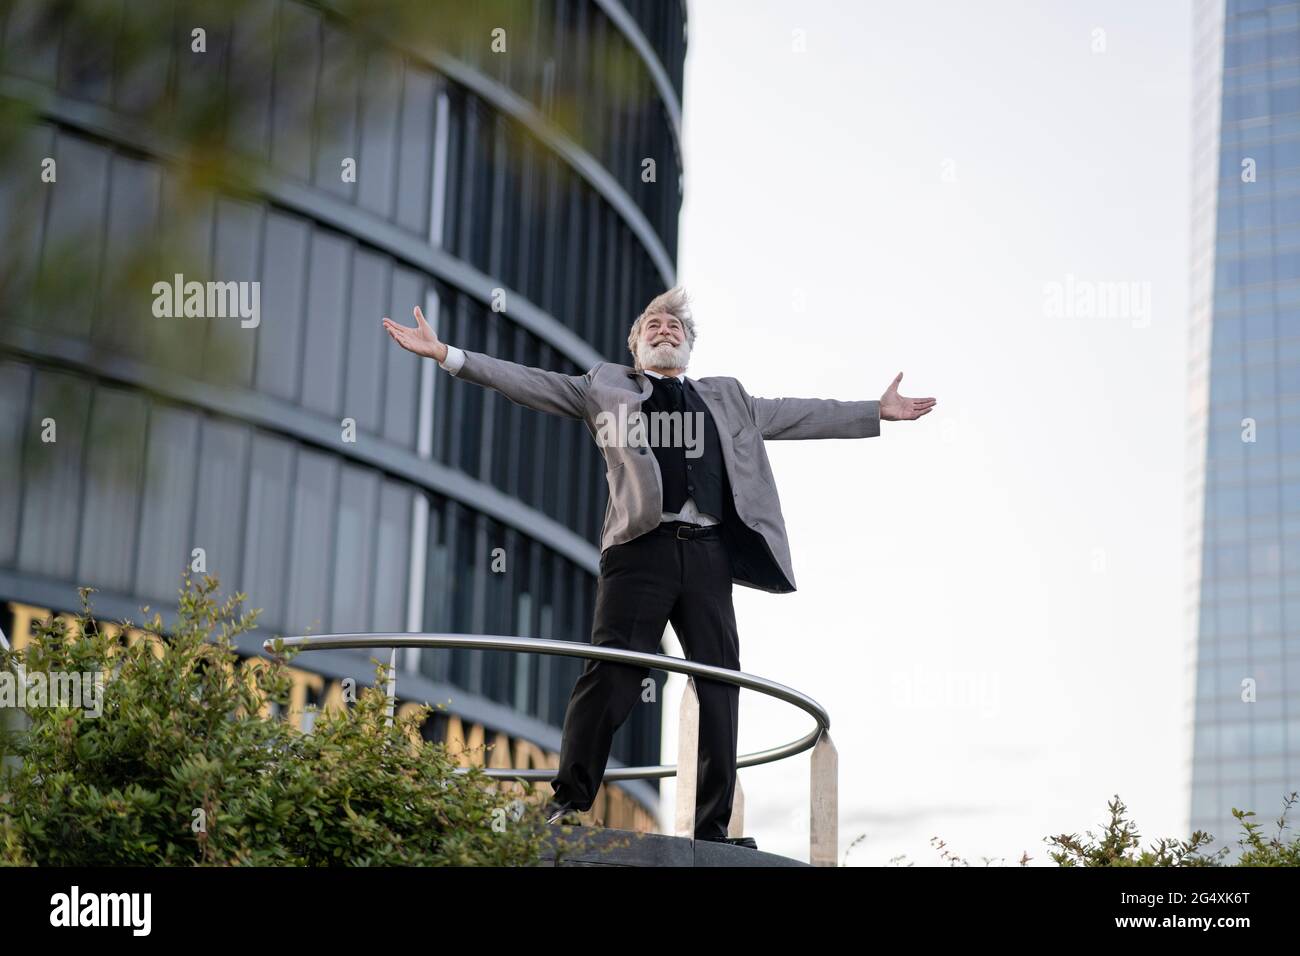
(454, 360)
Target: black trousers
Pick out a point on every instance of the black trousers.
(644, 584)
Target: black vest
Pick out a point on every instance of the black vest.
(703, 478)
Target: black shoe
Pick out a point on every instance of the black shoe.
(734, 841)
(565, 814)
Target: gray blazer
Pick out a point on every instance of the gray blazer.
(756, 535)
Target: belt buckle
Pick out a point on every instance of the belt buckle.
(680, 529)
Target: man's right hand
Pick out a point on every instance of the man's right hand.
(421, 340)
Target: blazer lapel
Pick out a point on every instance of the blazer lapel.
(641, 381)
(705, 392)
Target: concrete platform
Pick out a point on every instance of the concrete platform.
(605, 847)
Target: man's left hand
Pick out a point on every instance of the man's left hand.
(898, 408)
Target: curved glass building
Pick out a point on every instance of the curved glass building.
(517, 173)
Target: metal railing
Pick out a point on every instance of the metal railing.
(823, 785)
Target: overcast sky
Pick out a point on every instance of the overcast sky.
(989, 599)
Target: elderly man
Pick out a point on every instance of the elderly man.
(682, 525)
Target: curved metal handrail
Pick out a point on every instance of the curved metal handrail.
(824, 790)
(535, 645)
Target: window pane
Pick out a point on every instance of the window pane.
(393, 558)
(415, 150)
(15, 379)
(52, 475)
(381, 93)
(367, 342)
(279, 337)
(219, 516)
(296, 64)
(168, 505)
(266, 555)
(126, 318)
(326, 295)
(354, 566)
(106, 551)
(228, 357)
(402, 376)
(312, 546)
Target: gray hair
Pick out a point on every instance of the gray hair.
(675, 303)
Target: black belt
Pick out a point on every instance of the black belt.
(686, 529)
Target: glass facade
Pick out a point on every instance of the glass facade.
(480, 179)
(1244, 404)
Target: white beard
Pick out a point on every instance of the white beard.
(664, 355)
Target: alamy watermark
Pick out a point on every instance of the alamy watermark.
(75, 908)
(77, 690)
(651, 429)
(927, 689)
(1087, 299)
(208, 300)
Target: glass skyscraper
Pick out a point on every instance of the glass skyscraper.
(1243, 459)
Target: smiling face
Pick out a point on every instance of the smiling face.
(662, 327)
(662, 342)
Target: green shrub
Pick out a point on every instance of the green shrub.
(188, 765)
(1120, 839)
(1119, 845)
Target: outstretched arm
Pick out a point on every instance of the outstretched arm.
(536, 388)
(794, 418)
